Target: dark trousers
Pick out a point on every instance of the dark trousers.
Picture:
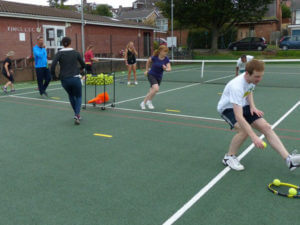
(73, 87)
(89, 68)
(43, 78)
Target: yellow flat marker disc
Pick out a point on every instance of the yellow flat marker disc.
(55, 98)
(219, 93)
(103, 135)
(172, 110)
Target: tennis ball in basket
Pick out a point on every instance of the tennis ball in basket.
(264, 144)
(292, 191)
(276, 182)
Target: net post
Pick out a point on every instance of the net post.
(104, 88)
(202, 70)
(114, 77)
(85, 77)
(95, 90)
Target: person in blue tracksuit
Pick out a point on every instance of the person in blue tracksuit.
(41, 66)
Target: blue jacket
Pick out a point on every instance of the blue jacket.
(40, 57)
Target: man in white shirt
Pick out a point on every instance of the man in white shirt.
(241, 64)
(237, 108)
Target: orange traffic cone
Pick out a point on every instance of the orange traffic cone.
(103, 97)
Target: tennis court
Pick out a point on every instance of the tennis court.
(150, 167)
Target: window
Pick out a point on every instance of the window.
(295, 32)
(297, 21)
(162, 24)
(52, 38)
(295, 38)
(246, 39)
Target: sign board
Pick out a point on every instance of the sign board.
(22, 36)
(171, 41)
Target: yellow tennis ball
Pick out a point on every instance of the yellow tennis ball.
(276, 182)
(292, 191)
(264, 144)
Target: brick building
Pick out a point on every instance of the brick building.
(295, 20)
(20, 24)
(147, 12)
(269, 27)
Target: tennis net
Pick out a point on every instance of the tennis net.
(278, 73)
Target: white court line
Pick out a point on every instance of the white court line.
(33, 87)
(125, 109)
(38, 99)
(162, 92)
(218, 78)
(207, 187)
(53, 89)
(174, 89)
(169, 114)
(4, 96)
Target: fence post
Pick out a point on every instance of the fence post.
(31, 50)
(111, 54)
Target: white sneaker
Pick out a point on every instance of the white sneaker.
(293, 161)
(135, 82)
(143, 105)
(128, 83)
(149, 104)
(232, 162)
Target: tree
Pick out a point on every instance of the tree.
(286, 11)
(103, 10)
(53, 3)
(218, 16)
(57, 3)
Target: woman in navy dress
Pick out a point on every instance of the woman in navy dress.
(160, 63)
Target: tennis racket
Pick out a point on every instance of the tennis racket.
(284, 189)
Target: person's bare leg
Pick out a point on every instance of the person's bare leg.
(152, 92)
(134, 72)
(129, 73)
(237, 140)
(264, 127)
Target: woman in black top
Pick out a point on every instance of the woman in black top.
(8, 72)
(69, 75)
(130, 61)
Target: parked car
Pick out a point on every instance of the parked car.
(249, 43)
(288, 42)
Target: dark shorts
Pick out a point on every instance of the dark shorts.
(10, 78)
(153, 80)
(131, 61)
(228, 116)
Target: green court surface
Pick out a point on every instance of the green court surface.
(54, 173)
